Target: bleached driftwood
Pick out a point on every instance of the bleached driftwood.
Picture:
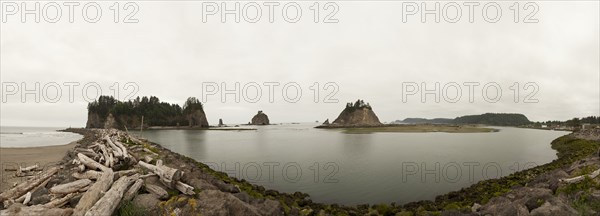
(148, 175)
(122, 147)
(109, 202)
(168, 176)
(184, 188)
(122, 173)
(156, 190)
(60, 202)
(151, 152)
(84, 189)
(35, 210)
(87, 152)
(116, 150)
(133, 190)
(91, 163)
(147, 158)
(581, 177)
(23, 198)
(26, 171)
(105, 155)
(70, 187)
(90, 174)
(94, 193)
(26, 186)
(27, 198)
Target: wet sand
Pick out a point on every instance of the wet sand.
(15, 157)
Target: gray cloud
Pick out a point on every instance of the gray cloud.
(369, 53)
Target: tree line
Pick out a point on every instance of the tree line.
(155, 112)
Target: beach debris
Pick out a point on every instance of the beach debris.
(26, 186)
(95, 192)
(70, 187)
(157, 190)
(109, 202)
(581, 177)
(107, 173)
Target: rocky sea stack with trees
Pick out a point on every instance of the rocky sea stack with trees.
(107, 112)
(260, 119)
(357, 114)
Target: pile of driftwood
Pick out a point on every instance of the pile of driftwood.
(107, 174)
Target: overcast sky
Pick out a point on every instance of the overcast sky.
(368, 54)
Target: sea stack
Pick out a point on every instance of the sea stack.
(358, 114)
(221, 123)
(260, 119)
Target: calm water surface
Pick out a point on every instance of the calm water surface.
(336, 167)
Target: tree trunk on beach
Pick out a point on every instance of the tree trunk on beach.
(94, 193)
(168, 176)
(70, 187)
(109, 202)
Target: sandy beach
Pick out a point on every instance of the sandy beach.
(15, 157)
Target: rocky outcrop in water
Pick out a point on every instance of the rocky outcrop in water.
(358, 114)
(260, 119)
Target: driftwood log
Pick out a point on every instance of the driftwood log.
(116, 150)
(88, 162)
(168, 176)
(21, 210)
(109, 202)
(60, 202)
(133, 190)
(184, 188)
(156, 190)
(581, 177)
(70, 187)
(90, 174)
(93, 194)
(26, 186)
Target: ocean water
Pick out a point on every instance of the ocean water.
(23, 137)
(337, 167)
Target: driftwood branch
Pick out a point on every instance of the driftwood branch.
(581, 177)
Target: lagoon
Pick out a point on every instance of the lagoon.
(334, 166)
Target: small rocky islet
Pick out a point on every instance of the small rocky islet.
(260, 119)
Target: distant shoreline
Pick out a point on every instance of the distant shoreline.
(412, 128)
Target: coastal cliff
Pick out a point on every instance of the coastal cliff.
(107, 112)
(358, 114)
(260, 119)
